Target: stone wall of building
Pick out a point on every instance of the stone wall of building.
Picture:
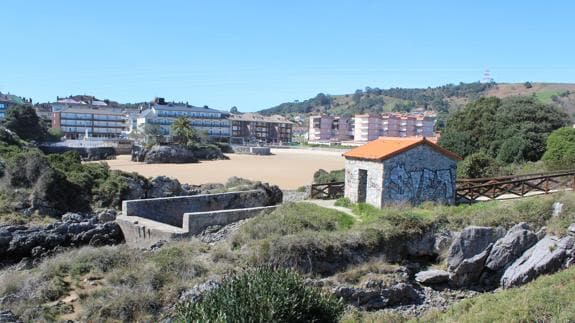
(170, 210)
(375, 172)
(419, 174)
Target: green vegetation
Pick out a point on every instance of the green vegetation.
(547, 299)
(478, 165)
(560, 152)
(510, 130)
(136, 285)
(23, 120)
(375, 100)
(321, 176)
(263, 295)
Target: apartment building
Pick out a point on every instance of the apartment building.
(368, 127)
(214, 122)
(400, 125)
(330, 128)
(7, 100)
(99, 122)
(252, 127)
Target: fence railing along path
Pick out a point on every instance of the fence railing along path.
(327, 191)
(478, 189)
(470, 190)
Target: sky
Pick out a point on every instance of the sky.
(258, 54)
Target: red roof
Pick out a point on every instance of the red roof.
(386, 147)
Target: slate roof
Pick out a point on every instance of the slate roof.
(386, 147)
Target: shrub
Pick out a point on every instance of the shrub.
(263, 295)
(322, 176)
(344, 201)
(478, 165)
(560, 152)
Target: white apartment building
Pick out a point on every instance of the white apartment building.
(367, 127)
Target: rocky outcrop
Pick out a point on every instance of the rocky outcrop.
(18, 241)
(547, 256)
(432, 277)
(168, 154)
(8, 317)
(163, 186)
(375, 299)
(469, 270)
(511, 246)
(471, 241)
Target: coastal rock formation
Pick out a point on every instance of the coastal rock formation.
(432, 277)
(19, 241)
(375, 299)
(471, 241)
(547, 256)
(507, 249)
(168, 154)
(163, 186)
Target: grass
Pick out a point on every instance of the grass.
(547, 299)
(545, 96)
(140, 285)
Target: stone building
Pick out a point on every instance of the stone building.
(398, 171)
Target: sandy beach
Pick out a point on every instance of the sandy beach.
(287, 168)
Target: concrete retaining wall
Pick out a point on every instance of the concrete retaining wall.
(170, 210)
(199, 221)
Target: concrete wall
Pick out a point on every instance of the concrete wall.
(375, 172)
(199, 221)
(419, 174)
(170, 210)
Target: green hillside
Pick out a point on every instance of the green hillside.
(442, 99)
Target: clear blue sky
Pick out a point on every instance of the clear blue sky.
(257, 54)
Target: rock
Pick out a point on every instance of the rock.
(72, 217)
(470, 242)
(545, 257)
(432, 277)
(136, 188)
(208, 152)
(373, 299)
(541, 233)
(8, 317)
(571, 230)
(107, 215)
(443, 240)
(196, 293)
(469, 270)
(37, 242)
(163, 186)
(557, 209)
(157, 245)
(169, 154)
(422, 246)
(507, 249)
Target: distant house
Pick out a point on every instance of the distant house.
(398, 171)
(163, 114)
(257, 128)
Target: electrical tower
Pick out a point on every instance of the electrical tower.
(486, 77)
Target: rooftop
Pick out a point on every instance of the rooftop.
(257, 117)
(386, 147)
(183, 107)
(88, 110)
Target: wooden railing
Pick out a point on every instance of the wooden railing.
(327, 191)
(469, 190)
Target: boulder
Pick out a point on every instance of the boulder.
(469, 270)
(136, 188)
(545, 257)
(106, 215)
(471, 241)
(374, 299)
(196, 293)
(169, 154)
(432, 277)
(571, 230)
(163, 186)
(507, 249)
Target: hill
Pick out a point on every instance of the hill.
(442, 99)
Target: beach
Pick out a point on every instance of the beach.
(287, 168)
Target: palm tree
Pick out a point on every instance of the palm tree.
(181, 129)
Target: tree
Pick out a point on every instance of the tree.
(153, 134)
(510, 130)
(234, 110)
(560, 153)
(23, 120)
(55, 134)
(184, 133)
